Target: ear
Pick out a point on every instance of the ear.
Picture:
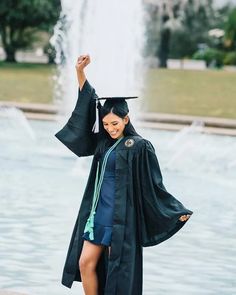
(126, 119)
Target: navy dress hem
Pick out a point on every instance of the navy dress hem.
(102, 235)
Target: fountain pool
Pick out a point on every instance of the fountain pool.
(38, 212)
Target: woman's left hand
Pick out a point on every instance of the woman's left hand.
(184, 217)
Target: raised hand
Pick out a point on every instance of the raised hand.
(82, 62)
(184, 217)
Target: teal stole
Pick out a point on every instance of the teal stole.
(97, 188)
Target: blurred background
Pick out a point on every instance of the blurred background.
(179, 57)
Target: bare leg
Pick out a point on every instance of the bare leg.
(88, 261)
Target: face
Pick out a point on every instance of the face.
(114, 125)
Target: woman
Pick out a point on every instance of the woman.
(125, 205)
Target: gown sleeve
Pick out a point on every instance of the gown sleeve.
(77, 134)
(158, 210)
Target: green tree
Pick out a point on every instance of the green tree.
(176, 28)
(230, 31)
(152, 29)
(21, 19)
(165, 35)
(197, 19)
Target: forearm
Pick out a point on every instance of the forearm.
(81, 78)
(82, 62)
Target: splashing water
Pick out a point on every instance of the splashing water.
(15, 126)
(112, 33)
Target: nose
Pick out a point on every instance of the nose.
(110, 129)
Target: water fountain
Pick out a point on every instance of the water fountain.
(112, 33)
(15, 125)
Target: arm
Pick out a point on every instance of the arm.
(77, 134)
(159, 211)
(82, 62)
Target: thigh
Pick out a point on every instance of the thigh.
(91, 253)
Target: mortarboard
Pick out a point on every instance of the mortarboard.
(113, 99)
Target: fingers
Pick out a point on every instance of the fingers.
(82, 61)
(184, 217)
(83, 58)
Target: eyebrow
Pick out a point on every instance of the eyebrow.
(111, 122)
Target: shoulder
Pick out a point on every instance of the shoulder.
(139, 143)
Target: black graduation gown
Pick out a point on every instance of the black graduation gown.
(145, 214)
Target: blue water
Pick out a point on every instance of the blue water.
(41, 184)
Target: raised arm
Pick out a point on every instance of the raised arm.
(82, 62)
(77, 134)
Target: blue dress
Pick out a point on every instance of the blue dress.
(103, 218)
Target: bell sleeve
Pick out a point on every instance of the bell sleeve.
(77, 133)
(158, 210)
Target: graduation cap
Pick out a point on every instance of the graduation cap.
(113, 99)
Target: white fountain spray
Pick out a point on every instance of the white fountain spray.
(15, 125)
(111, 31)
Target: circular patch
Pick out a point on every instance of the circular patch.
(129, 142)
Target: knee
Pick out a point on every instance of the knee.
(86, 265)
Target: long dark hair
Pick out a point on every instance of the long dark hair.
(119, 107)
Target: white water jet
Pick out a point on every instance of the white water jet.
(183, 134)
(183, 145)
(112, 33)
(15, 124)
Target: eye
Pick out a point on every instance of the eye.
(114, 124)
